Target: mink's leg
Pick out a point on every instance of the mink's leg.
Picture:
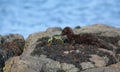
(72, 43)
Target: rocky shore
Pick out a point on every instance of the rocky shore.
(42, 52)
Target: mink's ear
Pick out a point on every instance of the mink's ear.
(67, 30)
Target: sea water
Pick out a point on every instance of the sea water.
(29, 16)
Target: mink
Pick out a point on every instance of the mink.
(84, 38)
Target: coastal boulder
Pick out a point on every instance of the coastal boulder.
(11, 45)
(39, 56)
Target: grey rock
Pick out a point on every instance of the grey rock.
(77, 27)
(28, 63)
(119, 42)
(2, 59)
(10, 45)
(102, 69)
(101, 29)
(87, 65)
(117, 65)
(32, 38)
(73, 70)
(54, 29)
(69, 67)
(11, 37)
(53, 66)
(99, 61)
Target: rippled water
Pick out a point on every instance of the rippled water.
(29, 16)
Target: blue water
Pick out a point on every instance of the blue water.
(29, 16)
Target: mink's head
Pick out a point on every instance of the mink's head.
(67, 31)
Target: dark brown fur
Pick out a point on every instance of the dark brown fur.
(84, 38)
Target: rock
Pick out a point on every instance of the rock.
(13, 48)
(119, 42)
(99, 61)
(9, 63)
(117, 65)
(11, 45)
(31, 64)
(54, 29)
(48, 33)
(2, 59)
(99, 26)
(118, 57)
(73, 70)
(74, 57)
(102, 30)
(69, 67)
(38, 56)
(11, 37)
(15, 64)
(77, 27)
(53, 66)
(36, 64)
(87, 65)
(102, 69)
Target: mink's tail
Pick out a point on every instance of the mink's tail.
(103, 44)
